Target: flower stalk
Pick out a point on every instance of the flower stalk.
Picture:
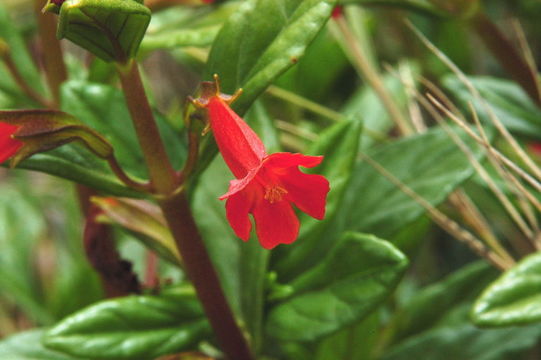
(177, 212)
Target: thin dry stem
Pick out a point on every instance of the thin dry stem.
(509, 163)
(504, 200)
(471, 88)
(372, 77)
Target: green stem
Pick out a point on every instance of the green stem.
(53, 60)
(177, 212)
(161, 171)
(204, 278)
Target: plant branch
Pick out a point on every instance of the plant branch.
(204, 278)
(177, 212)
(53, 59)
(162, 174)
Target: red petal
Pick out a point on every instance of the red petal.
(237, 185)
(237, 208)
(285, 160)
(276, 223)
(240, 146)
(8, 145)
(308, 192)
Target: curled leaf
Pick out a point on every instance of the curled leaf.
(42, 130)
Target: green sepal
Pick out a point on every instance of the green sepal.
(43, 130)
(110, 29)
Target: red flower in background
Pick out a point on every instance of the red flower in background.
(266, 186)
(8, 145)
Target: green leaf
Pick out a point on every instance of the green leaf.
(358, 274)
(339, 144)
(429, 163)
(467, 342)
(134, 327)
(252, 59)
(75, 163)
(27, 346)
(514, 298)
(109, 29)
(21, 225)
(507, 100)
(433, 302)
(345, 344)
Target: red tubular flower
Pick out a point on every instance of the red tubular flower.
(8, 145)
(266, 186)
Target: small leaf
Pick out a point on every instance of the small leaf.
(134, 327)
(143, 218)
(109, 29)
(27, 346)
(359, 272)
(514, 298)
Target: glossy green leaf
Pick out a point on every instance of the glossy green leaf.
(27, 346)
(109, 29)
(133, 327)
(514, 298)
(253, 59)
(339, 144)
(507, 100)
(430, 304)
(429, 163)
(358, 273)
(465, 341)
